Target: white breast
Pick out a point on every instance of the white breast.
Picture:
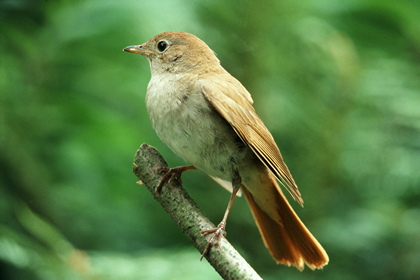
(186, 122)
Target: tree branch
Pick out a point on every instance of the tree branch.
(189, 217)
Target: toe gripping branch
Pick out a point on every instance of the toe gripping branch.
(171, 174)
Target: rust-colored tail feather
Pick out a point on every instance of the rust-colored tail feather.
(289, 242)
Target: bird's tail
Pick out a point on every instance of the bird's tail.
(283, 233)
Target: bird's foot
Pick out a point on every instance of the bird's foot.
(218, 232)
(171, 174)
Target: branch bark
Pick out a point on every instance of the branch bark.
(189, 217)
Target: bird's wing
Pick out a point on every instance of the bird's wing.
(234, 103)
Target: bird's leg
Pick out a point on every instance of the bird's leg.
(219, 231)
(171, 174)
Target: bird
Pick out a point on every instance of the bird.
(206, 117)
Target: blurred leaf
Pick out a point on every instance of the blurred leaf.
(336, 83)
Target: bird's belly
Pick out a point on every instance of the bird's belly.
(194, 131)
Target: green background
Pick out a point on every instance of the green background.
(337, 83)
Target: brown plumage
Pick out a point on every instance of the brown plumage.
(288, 240)
(240, 114)
(206, 117)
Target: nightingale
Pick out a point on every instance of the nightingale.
(206, 117)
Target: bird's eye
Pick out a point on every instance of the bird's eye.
(162, 46)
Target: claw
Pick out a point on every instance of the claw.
(171, 174)
(218, 233)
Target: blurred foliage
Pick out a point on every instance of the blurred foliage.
(337, 82)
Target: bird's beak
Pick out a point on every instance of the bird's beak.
(139, 49)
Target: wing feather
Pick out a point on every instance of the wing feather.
(234, 103)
